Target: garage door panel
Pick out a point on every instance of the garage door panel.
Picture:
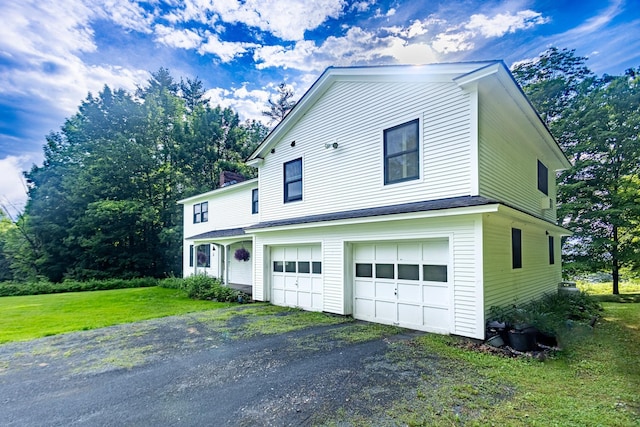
(436, 318)
(364, 252)
(291, 298)
(410, 314)
(365, 308)
(386, 252)
(304, 299)
(290, 283)
(317, 285)
(364, 289)
(278, 282)
(278, 296)
(385, 311)
(436, 295)
(385, 290)
(316, 301)
(304, 284)
(409, 252)
(410, 292)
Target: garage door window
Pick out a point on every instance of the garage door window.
(303, 267)
(434, 273)
(384, 271)
(408, 272)
(278, 266)
(364, 270)
(316, 267)
(290, 266)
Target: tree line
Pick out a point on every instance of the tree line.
(103, 204)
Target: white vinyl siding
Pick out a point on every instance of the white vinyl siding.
(355, 115)
(240, 271)
(228, 207)
(461, 232)
(508, 166)
(505, 286)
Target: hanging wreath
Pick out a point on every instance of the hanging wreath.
(242, 254)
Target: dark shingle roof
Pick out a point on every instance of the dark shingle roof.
(429, 205)
(218, 233)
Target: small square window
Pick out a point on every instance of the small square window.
(434, 273)
(316, 267)
(290, 266)
(304, 267)
(402, 153)
(543, 178)
(278, 266)
(408, 272)
(385, 271)
(364, 270)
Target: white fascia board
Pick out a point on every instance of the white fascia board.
(218, 191)
(382, 218)
(524, 217)
(223, 240)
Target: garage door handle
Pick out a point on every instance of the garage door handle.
(395, 292)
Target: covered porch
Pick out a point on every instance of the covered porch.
(229, 257)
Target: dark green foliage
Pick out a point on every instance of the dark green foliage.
(596, 121)
(550, 313)
(103, 204)
(44, 287)
(205, 287)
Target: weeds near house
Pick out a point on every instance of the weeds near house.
(205, 288)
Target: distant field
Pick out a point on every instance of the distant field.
(35, 316)
(629, 291)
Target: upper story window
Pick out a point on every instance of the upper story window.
(402, 153)
(543, 178)
(293, 180)
(254, 201)
(201, 212)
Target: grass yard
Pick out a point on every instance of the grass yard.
(35, 316)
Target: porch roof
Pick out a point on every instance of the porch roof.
(230, 232)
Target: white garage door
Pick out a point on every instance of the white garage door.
(404, 284)
(297, 277)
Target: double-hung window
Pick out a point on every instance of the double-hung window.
(254, 201)
(402, 153)
(516, 248)
(293, 180)
(201, 212)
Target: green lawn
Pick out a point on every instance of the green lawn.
(35, 316)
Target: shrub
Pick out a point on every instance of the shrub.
(43, 287)
(551, 312)
(206, 288)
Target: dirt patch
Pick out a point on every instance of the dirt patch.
(243, 366)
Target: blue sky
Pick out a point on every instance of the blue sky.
(52, 53)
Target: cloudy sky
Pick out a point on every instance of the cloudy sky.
(53, 52)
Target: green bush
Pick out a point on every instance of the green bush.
(37, 288)
(206, 288)
(551, 313)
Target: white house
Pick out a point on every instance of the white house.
(418, 196)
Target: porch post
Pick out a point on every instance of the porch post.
(227, 249)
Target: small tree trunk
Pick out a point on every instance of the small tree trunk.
(616, 264)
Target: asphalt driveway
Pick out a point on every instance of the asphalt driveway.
(219, 368)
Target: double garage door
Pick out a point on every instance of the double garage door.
(297, 276)
(404, 284)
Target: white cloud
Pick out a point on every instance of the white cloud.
(13, 192)
(464, 36)
(126, 13)
(452, 42)
(226, 51)
(179, 38)
(286, 19)
(503, 23)
(299, 57)
(247, 103)
(362, 6)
